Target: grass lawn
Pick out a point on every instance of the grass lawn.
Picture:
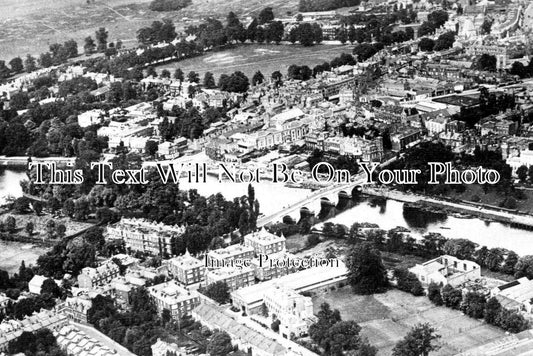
(253, 57)
(295, 242)
(386, 318)
(13, 253)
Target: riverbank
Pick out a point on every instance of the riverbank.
(482, 211)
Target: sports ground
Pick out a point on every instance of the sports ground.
(386, 318)
(253, 57)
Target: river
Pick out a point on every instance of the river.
(10, 184)
(392, 214)
(273, 197)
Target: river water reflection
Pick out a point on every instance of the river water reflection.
(273, 197)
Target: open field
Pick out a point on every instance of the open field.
(30, 26)
(254, 57)
(13, 253)
(386, 318)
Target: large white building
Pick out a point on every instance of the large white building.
(516, 295)
(171, 296)
(186, 269)
(293, 310)
(145, 236)
(250, 299)
(446, 270)
(264, 242)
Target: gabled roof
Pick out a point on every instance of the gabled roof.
(212, 315)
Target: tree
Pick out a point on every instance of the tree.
(220, 344)
(492, 310)
(438, 18)
(16, 65)
(89, 45)
(276, 76)
(341, 35)
(10, 224)
(307, 34)
(510, 263)
(425, 28)
(487, 62)
(258, 78)
(179, 75)
(71, 48)
(486, 26)
(460, 248)
(434, 294)
(521, 172)
(30, 64)
(49, 286)
(101, 39)
(21, 205)
(519, 69)
(524, 267)
(451, 297)
(29, 228)
(326, 319)
(151, 147)
(426, 44)
(45, 60)
(237, 82)
(275, 32)
(408, 282)
(473, 304)
(445, 41)
(366, 273)
(209, 80)
(266, 15)
(275, 325)
(420, 341)
(193, 77)
(218, 291)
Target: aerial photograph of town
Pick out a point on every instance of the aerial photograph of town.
(266, 178)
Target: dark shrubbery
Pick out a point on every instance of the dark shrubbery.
(169, 5)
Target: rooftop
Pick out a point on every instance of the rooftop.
(213, 316)
(299, 281)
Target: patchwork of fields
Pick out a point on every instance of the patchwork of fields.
(30, 26)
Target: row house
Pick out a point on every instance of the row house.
(75, 308)
(405, 138)
(145, 236)
(11, 329)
